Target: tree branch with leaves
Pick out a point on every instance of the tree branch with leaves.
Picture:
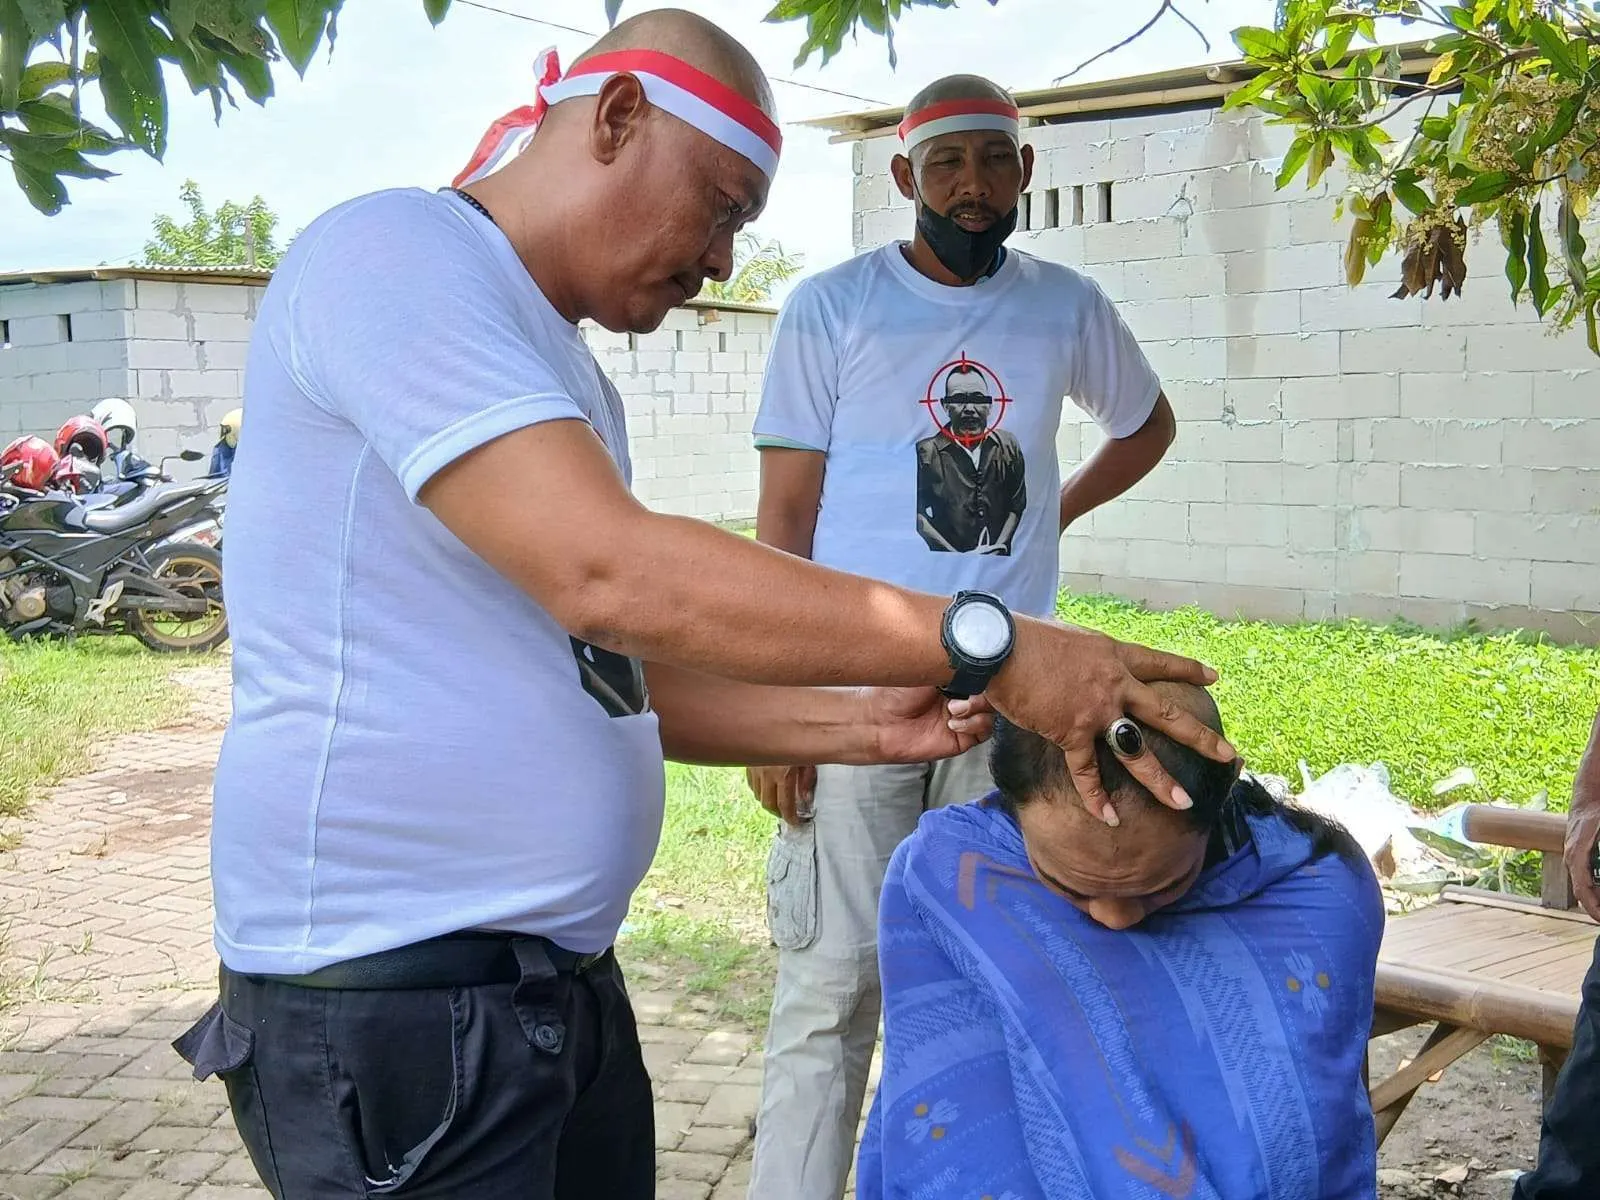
(1510, 137)
(53, 52)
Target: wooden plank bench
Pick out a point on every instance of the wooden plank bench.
(1478, 963)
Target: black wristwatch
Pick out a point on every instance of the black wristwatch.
(978, 634)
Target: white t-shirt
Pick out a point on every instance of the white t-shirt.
(416, 747)
(938, 408)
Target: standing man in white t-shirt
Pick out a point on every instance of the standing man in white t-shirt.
(908, 432)
(455, 679)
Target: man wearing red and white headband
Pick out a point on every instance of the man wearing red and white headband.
(908, 432)
(454, 686)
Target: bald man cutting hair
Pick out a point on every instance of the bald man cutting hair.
(908, 432)
(453, 689)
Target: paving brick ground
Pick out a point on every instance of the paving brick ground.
(107, 908)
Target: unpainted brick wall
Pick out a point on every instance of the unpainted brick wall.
(1339, 453)
(177, 351)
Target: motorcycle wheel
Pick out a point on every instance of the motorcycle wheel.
(194, 570)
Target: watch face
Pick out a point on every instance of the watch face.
(980, 631)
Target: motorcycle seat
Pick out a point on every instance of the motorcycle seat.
(118, 518)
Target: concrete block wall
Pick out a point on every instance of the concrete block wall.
(691, 389)
(177, 350)
(1339, 453)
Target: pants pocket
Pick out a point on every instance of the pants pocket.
(792, 887)
(397, 1078)
(218, 1045)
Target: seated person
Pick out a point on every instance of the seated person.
(1173, 1009)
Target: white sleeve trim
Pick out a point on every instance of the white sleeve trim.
(479, 429)
(1135, 418)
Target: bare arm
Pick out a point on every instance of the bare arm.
(705, 719)
(684, 593)
(674, 590)
(791, 493)
(1118, 464)
(1583, 824)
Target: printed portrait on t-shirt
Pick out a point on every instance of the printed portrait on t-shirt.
(615, 681)
(971, 476)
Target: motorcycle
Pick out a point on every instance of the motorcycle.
(69, 569)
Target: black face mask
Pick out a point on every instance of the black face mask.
(965, 255)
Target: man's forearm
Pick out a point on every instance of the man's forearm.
(720, 722)
(680, 591)
(1586, 787)
(1117, 465)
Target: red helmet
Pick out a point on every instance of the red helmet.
(83, 436)
(76, 475)
(27, 463)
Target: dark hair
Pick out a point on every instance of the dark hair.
(1027, 767)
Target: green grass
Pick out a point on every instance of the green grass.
(57, 699)
(1516, 710)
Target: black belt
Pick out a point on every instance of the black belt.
(455, 960)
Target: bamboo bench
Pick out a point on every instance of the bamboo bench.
(1478, 963)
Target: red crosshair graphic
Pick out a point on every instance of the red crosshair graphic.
(997, 395)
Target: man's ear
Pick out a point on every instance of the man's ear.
(1027, 166)
(900, 168)
(619, 113)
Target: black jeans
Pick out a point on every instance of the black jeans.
(535, 1090)
(1569, 1142)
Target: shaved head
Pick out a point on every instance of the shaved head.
(620, 208)
(698, 42)
(958, 87)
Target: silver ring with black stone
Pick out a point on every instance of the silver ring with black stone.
(1125, 737)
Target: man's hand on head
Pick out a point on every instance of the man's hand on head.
(1071, 684)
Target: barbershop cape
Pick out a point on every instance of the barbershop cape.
(1213, 1052)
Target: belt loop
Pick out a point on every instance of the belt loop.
(539, 996)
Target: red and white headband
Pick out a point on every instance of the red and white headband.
(669, 83)
(960, 116)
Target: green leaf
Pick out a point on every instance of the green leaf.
(1250, 92)
(1553, 47)
(436, 10)
(1257, 43)
(43, 17)
(1591, 326)
(1338, 45)
(43, 190)
(236, 22)
(1461, 119)
(298, 26)
(1294, 158)
(252, 73)
(1412, 196)
(1514, 233)
(15, 41)
(1566, 118)
(181, 18)
(1364, 153)
(1489, 186)
(1538, 281)
(1437, 129)
(40, 78)
(130, 73)
(1573, 247)
(53, 117)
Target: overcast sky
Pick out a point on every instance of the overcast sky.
(400, 103)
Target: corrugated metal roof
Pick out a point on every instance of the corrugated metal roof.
(248, 275)
(1202, 84)
(169, 274)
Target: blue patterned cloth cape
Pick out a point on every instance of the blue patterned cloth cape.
(1213, 1052)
